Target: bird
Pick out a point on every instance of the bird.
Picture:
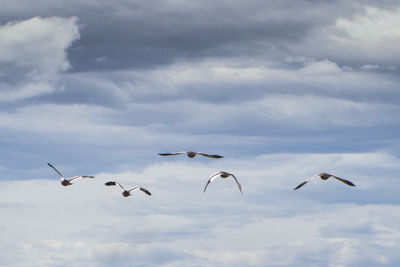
(223, 174)
(66, 182)
(324, 176)
(127, 193)
(191, 154)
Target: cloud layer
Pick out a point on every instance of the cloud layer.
(325, 223)
(283, 90)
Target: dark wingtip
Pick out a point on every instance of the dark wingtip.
(146, 191)
(345, 181)
(217, 156)
(205, 188)
(110, 183)
(300, 185)
(350, 183)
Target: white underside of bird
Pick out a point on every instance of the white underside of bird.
(222, 174)
(125, 192)
(67, 181)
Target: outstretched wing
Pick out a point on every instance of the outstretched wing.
(59, 173)
(344, 181)
(212, 178)
(300, 185)
(306, 181)
(140, 188)
(110, 183)
(171, 154)
(79, 177)
(237, 182)
(210, 156)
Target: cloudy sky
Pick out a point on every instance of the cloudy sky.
(283, 89)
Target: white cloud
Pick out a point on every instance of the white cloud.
(369, 67)
(376, 28)
(300, 111)
(32, 55)
(369, 38)
(215, 80)
(237, 109)
(91, 224)
(321, 94)
(26, 90)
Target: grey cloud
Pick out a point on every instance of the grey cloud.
(241, 80)
(231, 82)
(359, 228)
(152, 255)
(133, 125)
(211, 104)
(143, 35)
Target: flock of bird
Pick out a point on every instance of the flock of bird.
(190, 154)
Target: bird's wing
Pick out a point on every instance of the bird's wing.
(59, 173)
(123, 189)
(79, 177)
(306, 181)
(134, 189)
(300, 185)
(344, 181)
(210, 156)
(142, 189)
(171, 154)
(238, 184)
(114, 183)
(212, 178)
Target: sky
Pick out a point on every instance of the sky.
(283, 90)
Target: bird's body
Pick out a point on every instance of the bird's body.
(191, 154)
(67, 182)
(223, 175)
(127, 193)
(324, 176)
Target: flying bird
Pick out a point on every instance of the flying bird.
(191, 154)
(223, 174)
(127, 193)
(324, 176)
(66, 182)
